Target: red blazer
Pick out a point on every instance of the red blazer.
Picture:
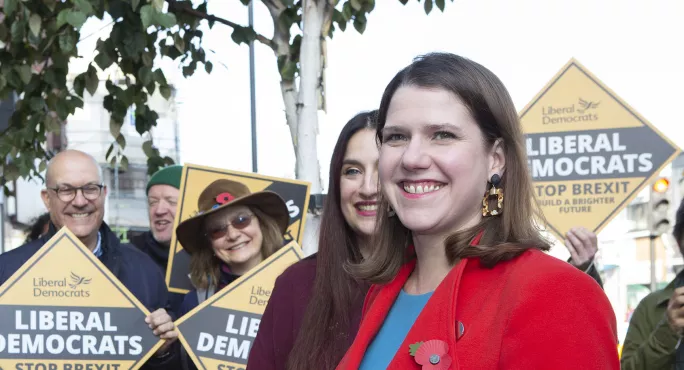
(533, 312)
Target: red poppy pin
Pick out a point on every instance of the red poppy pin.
(224, 198)
(432, 355)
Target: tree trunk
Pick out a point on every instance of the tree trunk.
(308, 168)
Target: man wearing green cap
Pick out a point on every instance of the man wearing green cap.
(162, 198)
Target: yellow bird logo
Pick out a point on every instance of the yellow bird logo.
(78, 280)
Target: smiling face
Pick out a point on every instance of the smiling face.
(359, 183)
(83, 217)
(161, 205)
(434, 163)
(235, 236)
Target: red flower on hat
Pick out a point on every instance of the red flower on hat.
(224, 198)
(432, 355)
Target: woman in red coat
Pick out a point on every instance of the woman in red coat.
(462, 280)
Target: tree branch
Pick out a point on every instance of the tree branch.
(173, 5)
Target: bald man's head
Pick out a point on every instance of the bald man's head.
(68, 158)
(74, 194)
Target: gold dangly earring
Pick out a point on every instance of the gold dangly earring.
(494, 192)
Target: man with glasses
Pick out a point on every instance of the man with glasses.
(75, 196)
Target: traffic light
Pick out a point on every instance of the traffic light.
(659, 207)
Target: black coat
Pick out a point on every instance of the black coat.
(136, 271)
(160, 255)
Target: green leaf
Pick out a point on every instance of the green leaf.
(159, 77)
(62, 110)
(347, 11)
(62, 17)
(10, 7)
(77, 102)
(356, 4)
(158, 5)
(42, 166)
(179, 43)
(413, 348)
(121, 140)
(440, 4)
(147, 59)
(76, 18)
(36, 104)
(24, 73)
(145, 75)
(3, 82)
(35, 23)
(18, 30)
(52, 122)
(148, 148)
(11, 171)
(166, 20)
(147, 15)
(428, 6)
(79, 84)
(103, 60)
(360, 23)
(124, 163)
(134, 4)
(208, 67)
(84, 5)
(51, 4)
(67, 42)
(91, 83)
(109, 151)
(115, 127)
(165, 91)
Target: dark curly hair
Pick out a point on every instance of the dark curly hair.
(39, 226)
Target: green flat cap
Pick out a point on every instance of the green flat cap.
(170, 175)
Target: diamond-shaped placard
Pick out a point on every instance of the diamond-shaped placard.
(589, 152)
(196, 178)
(64, 310)
(221, 330)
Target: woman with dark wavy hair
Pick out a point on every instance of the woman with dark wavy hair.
(461, 277)
(315, 308)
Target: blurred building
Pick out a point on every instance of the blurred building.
(88, 130)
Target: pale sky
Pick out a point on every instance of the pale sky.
(633, 46)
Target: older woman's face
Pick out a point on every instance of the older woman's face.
(236, 238)
(434, 164)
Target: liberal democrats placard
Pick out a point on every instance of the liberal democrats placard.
(195, 179)
(64, 310)
(219, 333)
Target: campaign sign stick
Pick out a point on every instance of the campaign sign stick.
(589, 152)
(219, 333)
(64, 310)
(196, 178)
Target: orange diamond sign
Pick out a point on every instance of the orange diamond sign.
(589, 153)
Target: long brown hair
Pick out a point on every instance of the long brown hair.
(505, 236)
(325, 334)
(205, 268)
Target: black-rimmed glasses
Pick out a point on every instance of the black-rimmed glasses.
(68, 193)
